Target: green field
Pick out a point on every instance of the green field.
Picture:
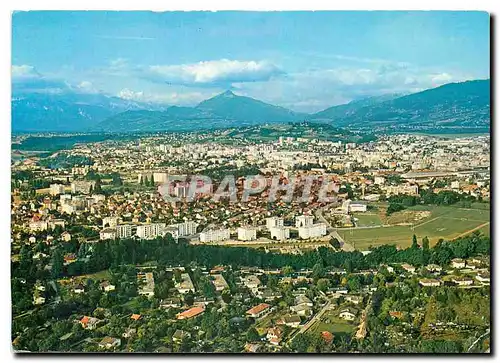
(366, 220)
(444, 222)
(332, 323)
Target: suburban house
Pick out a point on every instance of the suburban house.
(301, 309)
(107, 286)
(274, 335)
(89, 322)
(109, 342)
(355, 299)
(408, 267)
(190, 313)
(129, 332)
(251, 281)
(135, 317)
(462, 281)
(259, 310)
(303, 299)
(179, 335)
(327, 337)
(252, 348)
(347, 314)
(173, 302)
(457, 263)
(79, 289)
(433, 268)
(483, 278)
(396, 314)
(429, 282)
(290, 320)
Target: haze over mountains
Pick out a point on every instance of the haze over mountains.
(456, 105)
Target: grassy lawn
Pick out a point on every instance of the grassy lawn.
(367, 219)
(332, 323)
(443, 222)
(97, 276)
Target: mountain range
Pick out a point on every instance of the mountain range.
(465, 104)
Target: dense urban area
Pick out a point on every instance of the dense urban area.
(396, 260)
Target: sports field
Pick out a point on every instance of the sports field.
(443, 222)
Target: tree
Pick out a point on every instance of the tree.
(425, 243)
(189, 299)
(252, 335)
(323, 284)
(414, 243)
(287, 270)
(318, 271)
(57, 263)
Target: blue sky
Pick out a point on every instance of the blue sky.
(305, 61)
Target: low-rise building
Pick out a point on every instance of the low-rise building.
(458, 263)
(109, 343)
(186, 284)
(190, 313)
(146, 284)
(429, 282)
(348, 314)
(107, 233)
(258, 310)
(219, 282)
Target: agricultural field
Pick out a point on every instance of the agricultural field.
(441, 222)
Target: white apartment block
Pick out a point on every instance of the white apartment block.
(274, 222)
(402, 189)
(215, 235)
(247, 233)
(56, 189)
(160, 177)
(68, 208)
(107, 233)
(184, 229)
(280, 233)
(38, 226)
(82, 186)
(124, 231)
(304, 221)
(111, 222)
(150, 231)
(316, 230)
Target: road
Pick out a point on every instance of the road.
(333, 231)
(312, 321)
(477, 340)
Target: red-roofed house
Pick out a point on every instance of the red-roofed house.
(259, 310)
(191, 313)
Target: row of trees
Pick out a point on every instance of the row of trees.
(113, 253)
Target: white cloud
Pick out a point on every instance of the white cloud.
(216, 71)
(166, 98)
(24, 72)
(442, 78)
(314, 90)
(86, 87)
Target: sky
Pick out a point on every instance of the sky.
(305, 61)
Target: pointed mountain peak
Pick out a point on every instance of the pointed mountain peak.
(228, 93)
